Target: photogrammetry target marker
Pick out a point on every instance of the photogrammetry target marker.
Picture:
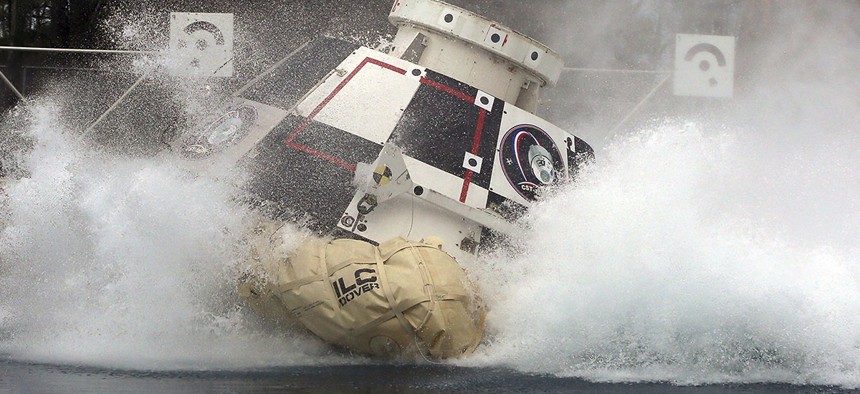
(704, 65)
(202, 44)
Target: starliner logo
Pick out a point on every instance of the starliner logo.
(365, 281)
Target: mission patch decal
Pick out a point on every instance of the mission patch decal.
(530, 159)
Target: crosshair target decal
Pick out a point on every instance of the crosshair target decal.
(530, 159)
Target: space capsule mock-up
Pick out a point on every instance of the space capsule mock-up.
(406, 162)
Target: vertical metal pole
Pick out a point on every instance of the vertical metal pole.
(12, 58)
(13, 21)
(23, 80)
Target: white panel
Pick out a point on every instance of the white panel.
(412, 218)
(316, 96)
(444, 183)
(390, 219)
(415, 212)
(201, 44)
(433, 221)
(371, 104)
(704, 65)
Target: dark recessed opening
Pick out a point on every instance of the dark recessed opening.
(473, 162)
(495, 38)
(534, 55)
(449, 18)
(485, 100)
(362, 228)
(418, 190)
(416, 72)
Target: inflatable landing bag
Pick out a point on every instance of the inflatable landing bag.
(397, 298)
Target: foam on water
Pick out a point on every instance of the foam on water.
(127, 263)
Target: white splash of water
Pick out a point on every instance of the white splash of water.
(127, 263)
(676, 258)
